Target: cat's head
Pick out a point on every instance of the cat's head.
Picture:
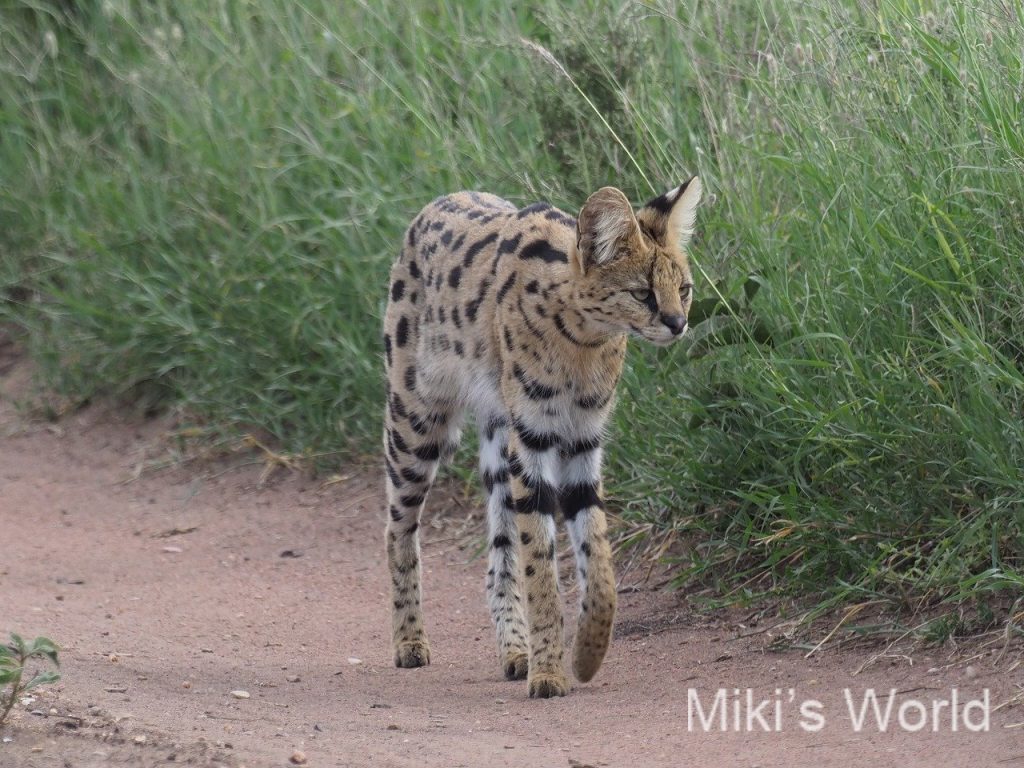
(633, 273)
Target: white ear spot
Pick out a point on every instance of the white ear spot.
(684, 199)
(673, 194)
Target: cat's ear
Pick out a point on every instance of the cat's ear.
(670, 217)
(606, 224)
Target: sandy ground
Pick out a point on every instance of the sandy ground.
(171, 591)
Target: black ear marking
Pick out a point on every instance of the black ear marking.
(663, 203)
(669, 218)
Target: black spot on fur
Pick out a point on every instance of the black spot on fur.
(410, 474)
(515, 465)
(535, 441)
(561, 218)
(414, 270)
(525, 538)
(541, 499)
(533, 329)
(428, 452)
(455, 277)
(392, 451)
(419, 425)
(533, 389)
(561, 327)
(506, 287)
(412, 499)
(397, 290)
(395, 479)
(387, 348)
(496, 423)
(508, 245)
(456, 318)
(532, 287)
(577, 447)
(501, 541)
(491, 479)
(397, 407)
(530, 570)
(592, 402)
(459, 349)
(532, 208)
(543, 250)
(473, 306)
(410, 378)
(508, 338)
(399, 441)
(475, 248)
(577, 497)
(402, 331)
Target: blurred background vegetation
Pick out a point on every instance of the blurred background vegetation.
(200, 201)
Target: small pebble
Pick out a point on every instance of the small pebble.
(354, 660)
(971, 672)
(240, 694)
(139, 739)
(186, 684)
(293, 678)
(298, 757)
(172, 550)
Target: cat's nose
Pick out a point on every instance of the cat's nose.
(675, 323)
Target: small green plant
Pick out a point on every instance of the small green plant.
(13, 658)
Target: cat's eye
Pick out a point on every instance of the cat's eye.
(684, 291)
(643, 295)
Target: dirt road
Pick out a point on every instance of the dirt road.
(172, 591)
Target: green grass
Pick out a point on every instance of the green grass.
(201, 200)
